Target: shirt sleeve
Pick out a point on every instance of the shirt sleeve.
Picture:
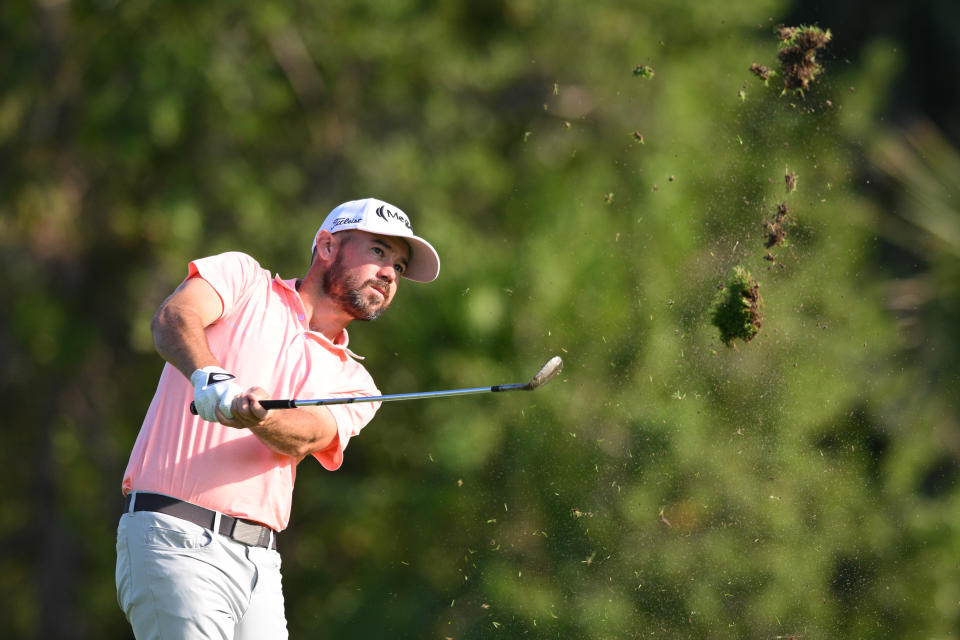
(232, 275)
(350, 418)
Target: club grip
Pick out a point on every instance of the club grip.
(266, 404)
(278, 404)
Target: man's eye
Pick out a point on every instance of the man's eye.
(398, 268)
(378, 251)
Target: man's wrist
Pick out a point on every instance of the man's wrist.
(210, 375)
(213, 388)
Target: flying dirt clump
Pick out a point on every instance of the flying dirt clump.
(762, 72)
(736, 310)
(790, 177)
(776, 230)
(776, 227)
(798, 55)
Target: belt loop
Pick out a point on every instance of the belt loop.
(270, 542)
(133, 502)
(216, 522)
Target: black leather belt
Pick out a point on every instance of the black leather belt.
(243, 531)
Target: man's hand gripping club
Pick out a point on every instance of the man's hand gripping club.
(213, 389)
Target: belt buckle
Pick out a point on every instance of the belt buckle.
(247, 533)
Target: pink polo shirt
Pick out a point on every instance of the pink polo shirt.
(263, 338)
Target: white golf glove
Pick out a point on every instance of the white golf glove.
(213, 387)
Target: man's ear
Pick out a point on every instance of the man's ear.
(327, 246)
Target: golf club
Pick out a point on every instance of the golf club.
(548, 372)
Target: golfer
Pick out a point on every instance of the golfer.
(206, 496)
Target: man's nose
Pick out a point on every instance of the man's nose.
(387, 273)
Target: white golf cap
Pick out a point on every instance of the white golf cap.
(376, 216)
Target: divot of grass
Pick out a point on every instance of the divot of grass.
(798, 50)
(736, 310)
(798, 55)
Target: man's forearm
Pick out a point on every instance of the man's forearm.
(297, 433)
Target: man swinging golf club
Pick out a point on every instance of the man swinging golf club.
(206, 495)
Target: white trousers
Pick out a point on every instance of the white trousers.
(177, 580)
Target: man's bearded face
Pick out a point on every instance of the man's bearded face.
(353, 294)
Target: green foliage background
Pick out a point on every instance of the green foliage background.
(801, 485)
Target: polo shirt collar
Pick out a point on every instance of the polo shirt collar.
(341, 341)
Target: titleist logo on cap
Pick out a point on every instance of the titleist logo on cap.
(340, 221)
(388, 216)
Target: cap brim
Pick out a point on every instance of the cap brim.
(424, 263)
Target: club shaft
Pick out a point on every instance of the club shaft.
(292, 404)
(548, 372)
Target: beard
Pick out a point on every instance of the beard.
(348, 292)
